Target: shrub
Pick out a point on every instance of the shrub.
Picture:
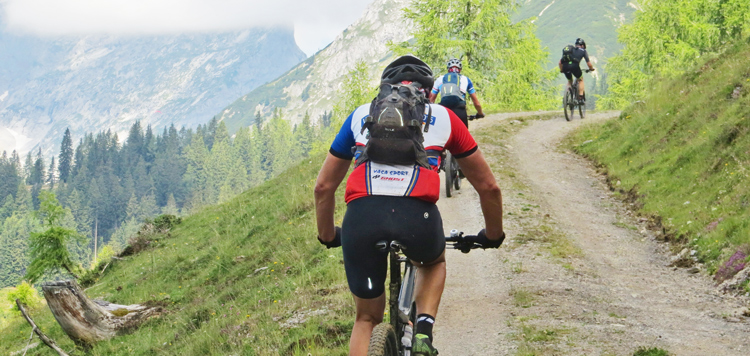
(165, 222)
(653, 351)
(26, 293)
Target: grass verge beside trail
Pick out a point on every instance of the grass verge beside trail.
(242, 278)
(683, 157)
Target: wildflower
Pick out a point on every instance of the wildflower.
(275, 301)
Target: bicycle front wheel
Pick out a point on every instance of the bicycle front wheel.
(383, 341)
(567, 106)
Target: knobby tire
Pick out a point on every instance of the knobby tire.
(456, 177)
(450, 173)
(567, 106)
(383, 341)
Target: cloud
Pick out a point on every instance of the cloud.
(317, 21)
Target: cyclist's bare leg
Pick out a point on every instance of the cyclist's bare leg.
(369, 314)
(580, 87)
(430, 285)
(570, 84)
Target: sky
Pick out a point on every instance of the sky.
(316, 22)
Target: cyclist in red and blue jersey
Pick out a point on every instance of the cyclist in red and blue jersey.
(397, 202)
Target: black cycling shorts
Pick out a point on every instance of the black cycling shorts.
(459, 110)
(415, 223)
(571, 70)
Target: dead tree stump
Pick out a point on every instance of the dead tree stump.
(87, 321)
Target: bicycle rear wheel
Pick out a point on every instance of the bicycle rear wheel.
(457, 177)
(383, 341)
(567, 106)
(450, 174)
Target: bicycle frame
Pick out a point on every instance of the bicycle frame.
(401, 305)
(401, 297)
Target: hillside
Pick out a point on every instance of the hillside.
(310, 86)
(94, 83)
(682, 155)
(246, 277)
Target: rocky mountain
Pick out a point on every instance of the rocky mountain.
(97, 83)
(310, 86)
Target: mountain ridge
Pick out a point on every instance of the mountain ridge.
(364, 40)
(93, 83)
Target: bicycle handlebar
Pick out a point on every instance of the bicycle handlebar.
(463, 243)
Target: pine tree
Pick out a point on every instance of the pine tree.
(51, 179)
(14, 243)
(66, 156)
(48, 250)
(279, 144)
(28, 166)
(171, 206)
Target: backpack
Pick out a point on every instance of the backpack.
(395, 127)
(450, 92)
(567, 54)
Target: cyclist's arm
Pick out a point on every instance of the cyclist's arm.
(433, 96)
(477, 105)
(588, 62)
(331, 174)
(559, 64)
(479, 174)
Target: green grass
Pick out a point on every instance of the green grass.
(653, 351)
(682, 156)
(216, 303)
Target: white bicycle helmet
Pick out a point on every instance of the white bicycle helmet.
(454, 62)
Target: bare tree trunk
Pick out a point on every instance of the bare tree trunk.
(87, 321)
(47, 341)
(96, 238)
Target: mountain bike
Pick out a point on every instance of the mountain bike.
(571, 102)
(453, 174)
(393, 338)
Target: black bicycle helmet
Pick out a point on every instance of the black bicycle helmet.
(409, 68)
(580, 42)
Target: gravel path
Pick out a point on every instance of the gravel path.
(578, 274)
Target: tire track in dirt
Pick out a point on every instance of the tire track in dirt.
(612, 296)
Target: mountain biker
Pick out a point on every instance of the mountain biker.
(570, 65)
(403, 210)
(453, 87)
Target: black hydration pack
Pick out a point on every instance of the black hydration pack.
(567, 54)
(395, 127)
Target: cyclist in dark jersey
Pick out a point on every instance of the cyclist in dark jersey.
(572, 68)
(397, 202)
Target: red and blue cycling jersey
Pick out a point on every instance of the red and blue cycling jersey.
(370, 178)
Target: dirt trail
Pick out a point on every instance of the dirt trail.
(611, 297)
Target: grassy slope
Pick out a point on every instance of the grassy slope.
(685, 152)
(217, 304)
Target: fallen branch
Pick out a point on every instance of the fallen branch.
(47, 341)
